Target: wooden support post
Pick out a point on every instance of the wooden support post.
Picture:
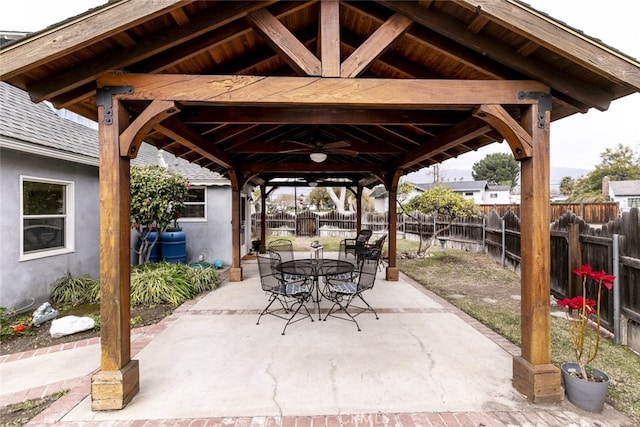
(235, 272)
(359, 208)
(118, 379)
(392, 267)
(263, 218)
(575, 259)
(533, 374)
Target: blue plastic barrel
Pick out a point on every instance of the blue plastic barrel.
(173, 245)
(155, 252)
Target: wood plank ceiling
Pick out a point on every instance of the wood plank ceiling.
(443, 40)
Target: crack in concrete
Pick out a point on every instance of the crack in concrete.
(274, 395)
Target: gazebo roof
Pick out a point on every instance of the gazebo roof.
(385, 45)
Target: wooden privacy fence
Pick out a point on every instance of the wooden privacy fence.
(573, 242)
(592, 213)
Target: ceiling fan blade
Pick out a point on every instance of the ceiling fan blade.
(337, 144)
(291, 141)
(343, 151)
(295, 150)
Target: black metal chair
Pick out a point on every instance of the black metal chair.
(284, 248)
(372, 250)
(291, 295)
(354, 246)
(343, 292)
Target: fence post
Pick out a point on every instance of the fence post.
(616, 289)
(484, 234)
(574, 259)
(504, 242)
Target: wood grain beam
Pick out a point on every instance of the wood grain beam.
(285, 43)
(561, 39)
(375, 45)
(325, 168)
(81, 74)
(303, 115)
(465, 131)
(330, 38)
(455, 30)
(79, 33)
(315, 91)
(177, 131)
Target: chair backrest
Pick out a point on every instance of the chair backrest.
(269, 277)
(284, 247)
(379, 243)
(367, 273)
(363, 236)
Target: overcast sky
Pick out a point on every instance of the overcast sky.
(576, 141)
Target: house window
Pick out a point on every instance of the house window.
(468, 194)
(633, 202)
(195, 205)
(493, 195)
(47, 218)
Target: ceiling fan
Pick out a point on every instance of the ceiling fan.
(319, 150)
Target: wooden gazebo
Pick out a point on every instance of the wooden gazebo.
(239, 87)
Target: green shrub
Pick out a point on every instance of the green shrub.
(202, 279)
(69, 290)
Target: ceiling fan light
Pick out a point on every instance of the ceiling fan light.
(318, 157)
(313, 184)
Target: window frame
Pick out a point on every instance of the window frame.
(633, 202)
(203, 203)
(69, 219)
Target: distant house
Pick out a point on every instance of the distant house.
(625, 193)
(44, 153)
(479, 191)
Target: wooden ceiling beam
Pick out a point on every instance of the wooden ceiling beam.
(177, 131)
(324, 168)
(80, 74)
(318, 92)
(503, 53)
(209, 115)
(465, 131)
(80, 32)
(561, 39)
(281, 40)
(330, 38)
(375, 45)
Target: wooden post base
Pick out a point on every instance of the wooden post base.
(393, 274)
(112, 390)
(538, 383)
(235, 274)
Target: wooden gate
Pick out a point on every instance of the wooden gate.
(307, 224)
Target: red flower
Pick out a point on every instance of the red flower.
(602, 276)
(576, 303)
(585, 270)
(19, 328)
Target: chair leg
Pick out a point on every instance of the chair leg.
(301, 304)
(342, 308)
(368, 306)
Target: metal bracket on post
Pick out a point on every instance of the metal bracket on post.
(103, 97)
(544, 104)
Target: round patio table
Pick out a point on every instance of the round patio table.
(316, 268)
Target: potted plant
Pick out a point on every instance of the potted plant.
(586, 387)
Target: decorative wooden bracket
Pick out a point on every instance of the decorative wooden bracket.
(103, 97)
(134, 134)
(519, 140)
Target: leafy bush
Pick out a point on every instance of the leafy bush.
(69, 290)
(167, 283)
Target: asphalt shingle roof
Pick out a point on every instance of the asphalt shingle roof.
(625, 188)
(41, 125)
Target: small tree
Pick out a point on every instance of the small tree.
(157, 200)
(445, 205)
(497, 169)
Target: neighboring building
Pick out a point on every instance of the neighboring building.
(43, 152)
(479, 191)
(625, 193)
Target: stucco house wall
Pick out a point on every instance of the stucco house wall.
(21, 280)
(39, 142)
